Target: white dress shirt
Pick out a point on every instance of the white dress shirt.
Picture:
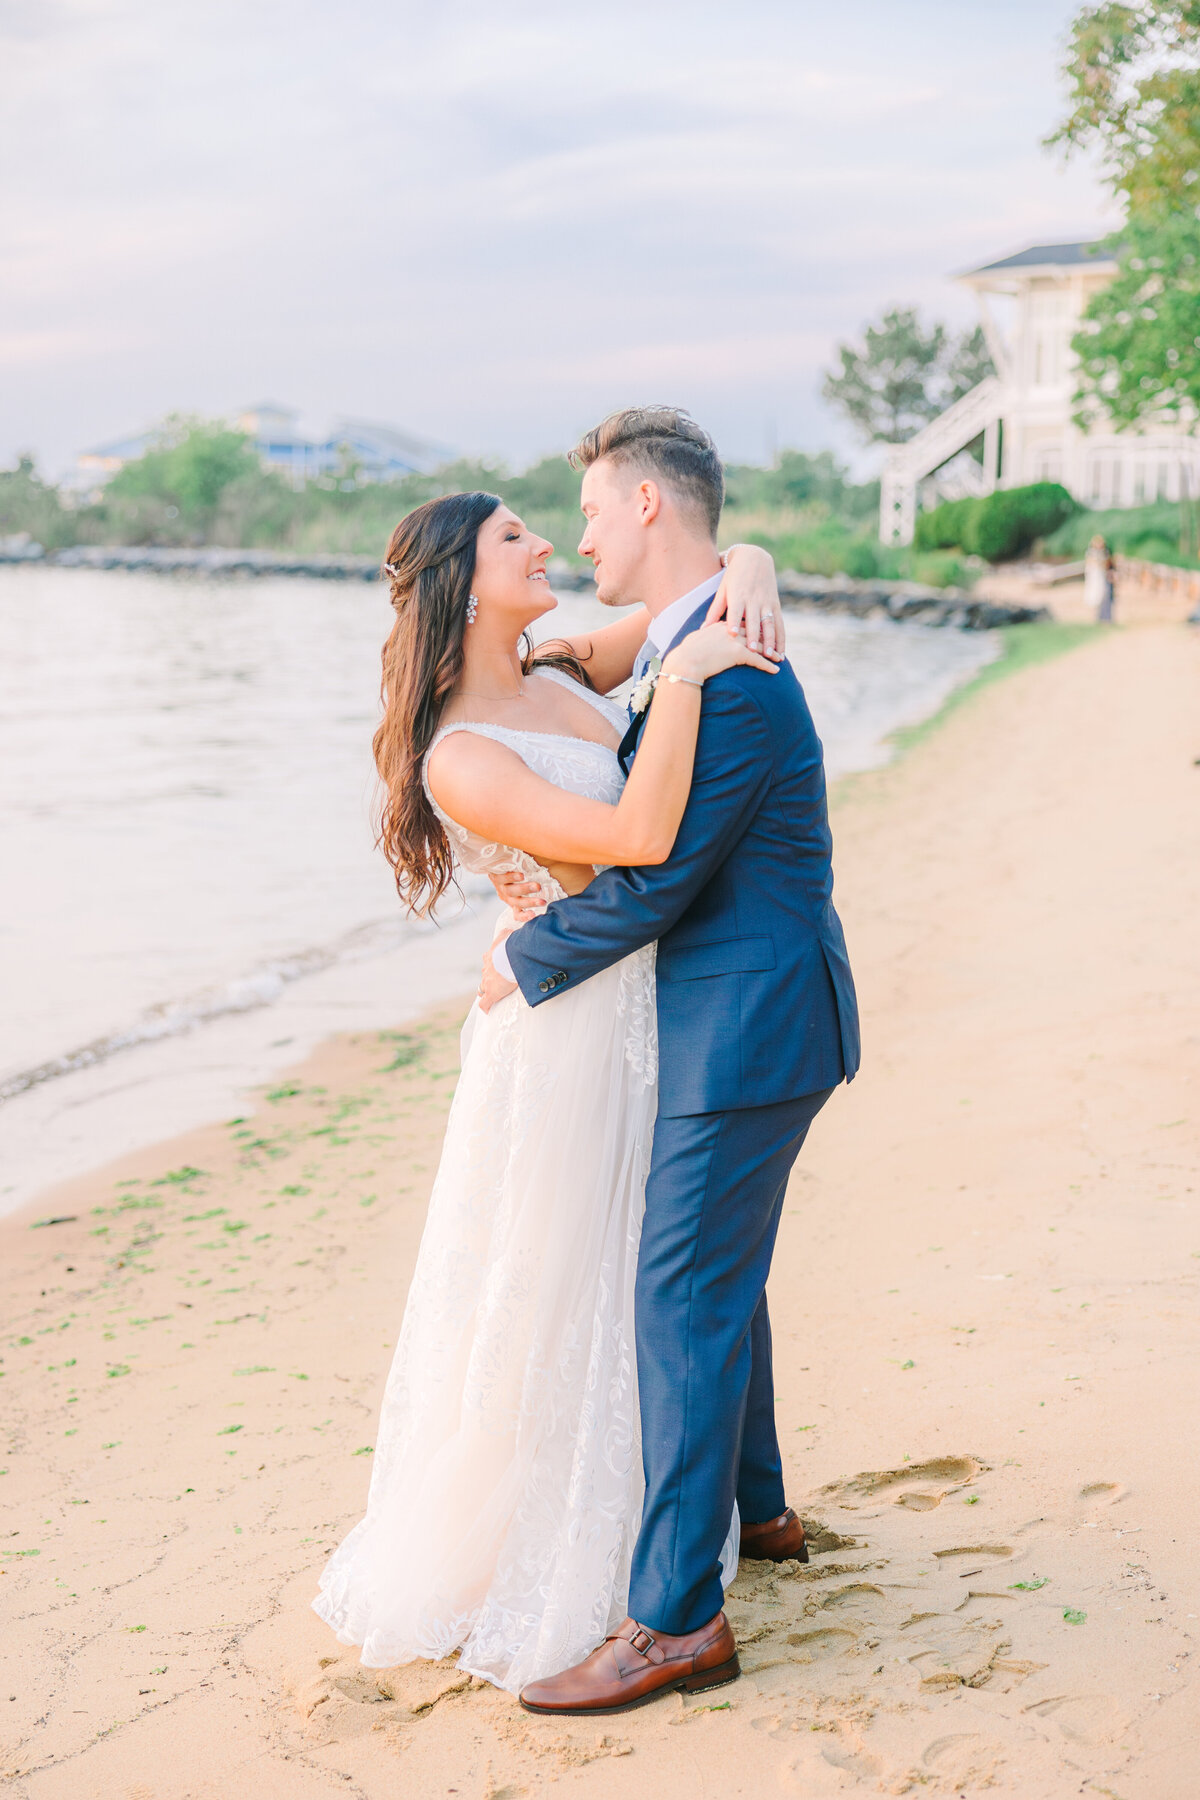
(663, 627)
(671, 621)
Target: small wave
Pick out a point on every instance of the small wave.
(260, 986)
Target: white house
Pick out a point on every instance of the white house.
(1031, 305)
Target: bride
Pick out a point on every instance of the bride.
(506, 1488)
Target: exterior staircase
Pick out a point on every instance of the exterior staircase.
(909, 464)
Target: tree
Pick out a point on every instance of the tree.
(183, 476)
(969, 363)
(30, 506)
(903, 376)
(812, 481)
(551, 485)
(801, 477)
(1139, 344)
(1134, 75)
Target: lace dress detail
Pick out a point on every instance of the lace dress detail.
(506, 1486)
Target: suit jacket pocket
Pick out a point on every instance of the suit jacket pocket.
(733, 956)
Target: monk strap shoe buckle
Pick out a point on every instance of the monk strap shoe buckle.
(641, 1641)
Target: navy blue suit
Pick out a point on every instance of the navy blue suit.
(757, 1024)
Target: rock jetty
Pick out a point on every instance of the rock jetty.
(900, 600)
(213, 562)
(904, 600)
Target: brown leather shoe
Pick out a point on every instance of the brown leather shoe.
(775, 1540)
(634, 1665)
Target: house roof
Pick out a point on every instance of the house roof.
(404, 444)
(134, 443)
(1048, 255)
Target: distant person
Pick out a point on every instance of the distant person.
(1099, 574)
(518, 1512)
(1108, 603)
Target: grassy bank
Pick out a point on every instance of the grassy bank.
(1163, 532)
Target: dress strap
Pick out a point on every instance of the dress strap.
(501, 733)
(481, 728)
(608, 709)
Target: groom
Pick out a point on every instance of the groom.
(757, 1024)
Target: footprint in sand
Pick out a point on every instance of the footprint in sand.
(361, 1688)
(853, 1761)
(408, 1692)
(818, 1646)
(1085, 1718)
(954, 1654)
(964, 1756)
(918, 1487)
(1101, 1493)
(977, 1557)
(860, 1600)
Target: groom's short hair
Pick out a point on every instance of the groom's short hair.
(666, 444)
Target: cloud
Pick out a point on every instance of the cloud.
(487, 223)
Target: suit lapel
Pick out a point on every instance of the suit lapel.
(628, 745)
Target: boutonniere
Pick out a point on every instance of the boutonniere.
(643, 691)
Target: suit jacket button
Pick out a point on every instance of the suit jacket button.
(543, 987)
(560, 978)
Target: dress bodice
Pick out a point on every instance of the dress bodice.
(575, 764)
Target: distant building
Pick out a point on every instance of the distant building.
(382, 453)
(96, 466)
(1024, 411)
(282, 445)
(375, 452)
(372, 452)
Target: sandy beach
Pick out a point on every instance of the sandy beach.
(984, 1302)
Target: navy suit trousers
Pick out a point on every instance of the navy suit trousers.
(713, 1202)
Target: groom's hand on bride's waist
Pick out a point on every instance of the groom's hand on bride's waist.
(524, 899)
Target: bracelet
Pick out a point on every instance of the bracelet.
(684, 678)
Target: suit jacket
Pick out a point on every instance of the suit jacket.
(756, 1001)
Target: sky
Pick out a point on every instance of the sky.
(490, 224)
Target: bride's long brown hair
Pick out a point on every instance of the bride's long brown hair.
(429, 567)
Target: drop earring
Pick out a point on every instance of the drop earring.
(472, 608)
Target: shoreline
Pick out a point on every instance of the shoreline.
(901, 600)
(241, 1041)
(187, 1003)
(992, 1236)
(1023, 646)
(60, 1129)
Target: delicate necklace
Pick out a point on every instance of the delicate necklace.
(471, 694)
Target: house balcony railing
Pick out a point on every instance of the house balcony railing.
(909, 464)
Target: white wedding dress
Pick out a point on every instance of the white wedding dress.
(506, 1488)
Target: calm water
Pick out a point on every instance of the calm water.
(186, 781)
